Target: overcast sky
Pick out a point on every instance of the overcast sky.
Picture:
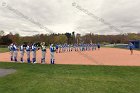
(61, 16)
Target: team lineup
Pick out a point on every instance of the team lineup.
(31, 49)
(69, 46)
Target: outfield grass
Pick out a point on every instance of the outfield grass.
(120, 48)
(37, 78)
(2, 50)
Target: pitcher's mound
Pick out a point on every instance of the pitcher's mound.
(4, 72)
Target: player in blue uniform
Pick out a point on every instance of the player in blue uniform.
(99, 46)
(28, 49)
(15, 49)
(21, 53)
(34, 49)
(52, 51)
(57, 48)
(93, 47)
(131, 48)
(11, 51)
(43, 48)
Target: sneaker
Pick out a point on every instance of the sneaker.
(35, 62)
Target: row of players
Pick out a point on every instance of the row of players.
(30, 49)
(76, 47)
(53, 48)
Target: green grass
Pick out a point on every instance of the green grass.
(119, 48)
(2, 50)
(37, 78)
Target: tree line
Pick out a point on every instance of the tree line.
(69, 38)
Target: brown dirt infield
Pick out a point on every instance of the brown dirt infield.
(105, 56)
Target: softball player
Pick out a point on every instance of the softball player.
(11, 51)
(98, 45)
(131, 47)
(52, 51)
(15, 49)
(21, 53)
(57, 47)
(28, 53)
(93, 47)
(34, 48)
(43, 48)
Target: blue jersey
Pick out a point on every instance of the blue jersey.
(28, 48)
(21, 48)
(131, 46)
(11, 47)
(15, 48)
(52, 49)
(98, 45)
(57, 47)
(33, 48)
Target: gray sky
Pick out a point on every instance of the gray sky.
(60, 16)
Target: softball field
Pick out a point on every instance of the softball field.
(105, 56)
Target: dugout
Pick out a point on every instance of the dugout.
(136, 43)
